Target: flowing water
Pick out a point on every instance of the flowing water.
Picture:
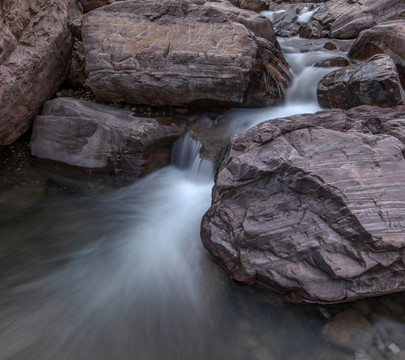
(106, 273)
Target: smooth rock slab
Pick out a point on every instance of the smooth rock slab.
(175, 53)
(93, 136)
(374, 82)
(313, 205)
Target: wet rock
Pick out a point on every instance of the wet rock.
(388, 38)
(330, 46)
(339, 61)
(176, 53)
(374, 82)
(313, 205)
(349, 330)
(35, 49)
(311, 30)
(87, 135)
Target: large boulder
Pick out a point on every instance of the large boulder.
(35, 49)
(175, 53)
(388, 38)
(314, 205)
(374, 82)
(102, 138)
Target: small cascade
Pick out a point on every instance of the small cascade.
(186, 156)
(271, 14)
(306, 14)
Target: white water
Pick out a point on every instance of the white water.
(143, 287)
(306, 14)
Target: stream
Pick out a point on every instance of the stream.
(94, 272)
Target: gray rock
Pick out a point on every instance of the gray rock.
(388, 38)
(175, 53)
(374, 82)
(313, 205)
(102, 138)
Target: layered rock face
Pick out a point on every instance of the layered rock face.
(374, 82)
(102, 138)
(35, 49)
(314, 205)
(179, 53)
(388, 38)
(346, 20)
(351, 23)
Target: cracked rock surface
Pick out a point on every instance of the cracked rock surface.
(175, 53)
(314, 205)
(35, 49)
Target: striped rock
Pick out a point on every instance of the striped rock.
(314, 205)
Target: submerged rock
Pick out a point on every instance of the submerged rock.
(102, 138)
(374, 82)
(175, 53)
(314, 205)
(35, 49)
(388, 38)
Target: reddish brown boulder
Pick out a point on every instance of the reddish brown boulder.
(35, 49)
(313, 205)
(175, 53)
(388, 38)
(374, 82)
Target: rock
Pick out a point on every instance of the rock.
(339, 61)
(89, 5)
(102, 138)
(349, 330)
(311, 30)
(330, 46)
(35, 49)
(349, 24)
(176, 53)
(76, 29)
(76, 76)
(313, 205)
(374, 82)
(388, 38)
(254, 5)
